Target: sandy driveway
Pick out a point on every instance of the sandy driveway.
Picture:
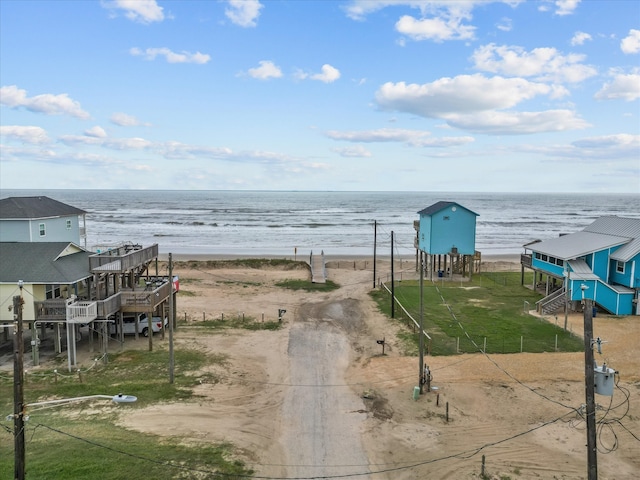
(317, 399)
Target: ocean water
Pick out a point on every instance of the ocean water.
(338, 223)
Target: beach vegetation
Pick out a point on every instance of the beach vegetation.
(108, 450)
(480, 314)
(255, 263)
(236, 322)
(308, 286)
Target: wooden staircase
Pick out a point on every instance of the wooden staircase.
(552, 302)
(318, 268)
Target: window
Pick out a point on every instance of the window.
(68, 224)
(544, 257)
(52, 291)
(619, 266)
(446, 217)
(43, 230)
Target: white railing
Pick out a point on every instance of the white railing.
(81, 312)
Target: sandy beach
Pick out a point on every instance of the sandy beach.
(317, 399)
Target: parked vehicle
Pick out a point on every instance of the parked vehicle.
(129, 324)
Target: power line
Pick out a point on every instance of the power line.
(463, 455)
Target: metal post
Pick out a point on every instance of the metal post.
(35, 342)
(150, 328)
(566, 295)
(171, 320)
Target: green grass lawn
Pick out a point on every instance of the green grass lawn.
(308, 286)
(82, 441)
(463, 316)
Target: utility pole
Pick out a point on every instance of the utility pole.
(393, 290)
(421, 342)
(589, 378)
(171, 320)
(375, 242)
(18, 389)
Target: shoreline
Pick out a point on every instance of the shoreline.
(203, 257)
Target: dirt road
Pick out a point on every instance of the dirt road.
(322, 417)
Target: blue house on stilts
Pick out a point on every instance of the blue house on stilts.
(447, 233)
(604, 257)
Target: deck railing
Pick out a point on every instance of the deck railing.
(50, 310)
(122, 259)
(81, 312)
(143, 300)
(525, 260)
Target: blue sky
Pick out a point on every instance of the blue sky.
(410, 95)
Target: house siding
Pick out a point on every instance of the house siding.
(600, 264)
(14, 231)
(446, 229)
(549, 268)
(56, 230)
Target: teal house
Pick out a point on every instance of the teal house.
(600, 262)
(447, 230)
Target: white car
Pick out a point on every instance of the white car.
(129, 324)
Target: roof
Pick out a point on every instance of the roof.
(603, 233)
(43, 262)
(22, 208)
(581, 271)
(577, 244)
(626, 227)
(439, 206)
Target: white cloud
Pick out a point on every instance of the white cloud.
(436, 29)
(579, 38)
(359, 9)
(244, 12)
(357, 151)
(266, 70)
(505, 25)
(125, 120)
(171, 57)
(178, 150)
(623, 141)
(518, 123)
(566, 7)
(631, 43)
(134, 143)
(541, 63)
(606, 150)
(623, 87)
(97, 132)
(474, 103)
(461, 94)
(142, 11)
(379, 135)
(46, 103)
(414, 138)
(26, 134)
(329, 74)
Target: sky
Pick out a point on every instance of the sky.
(347, 95)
